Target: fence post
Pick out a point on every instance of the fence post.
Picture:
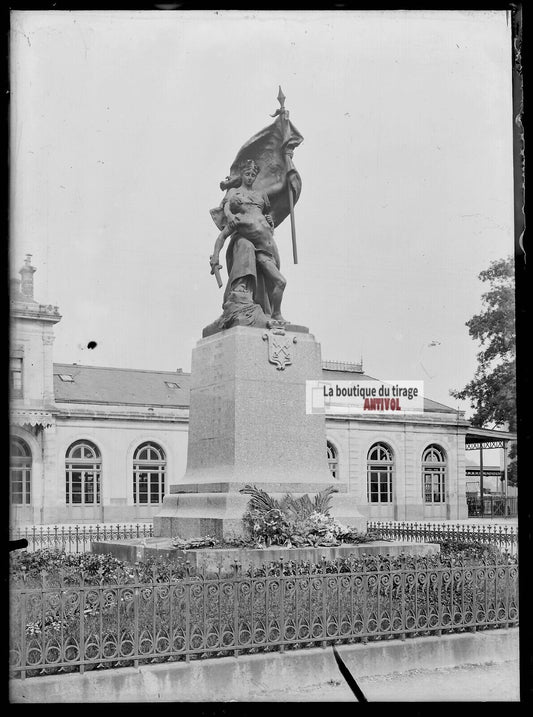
(507, 579)
(82, 623)
(188, 610)
(439, 601)
(364, 583)
(474, 602)
(282, 607)
(24, 622)
(324, 606)
(136, 618)
(237, 584)
(401, 565)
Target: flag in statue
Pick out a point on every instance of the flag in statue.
(271, 149)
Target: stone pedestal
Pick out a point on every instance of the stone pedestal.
(248, 425)
(213, 559)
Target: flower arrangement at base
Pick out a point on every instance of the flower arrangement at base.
(295, 522)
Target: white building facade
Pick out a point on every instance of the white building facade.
(94, 444)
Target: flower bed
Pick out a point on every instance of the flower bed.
(99, 612)
(55, 567)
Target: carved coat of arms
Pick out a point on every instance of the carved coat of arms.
(279, 348)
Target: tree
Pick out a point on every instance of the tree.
(492, 391)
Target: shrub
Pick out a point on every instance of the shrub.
(469, 550)
(56, 566)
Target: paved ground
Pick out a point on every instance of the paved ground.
(467, 683)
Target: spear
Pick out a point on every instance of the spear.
(284, 117)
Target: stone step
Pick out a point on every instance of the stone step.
(211, 559)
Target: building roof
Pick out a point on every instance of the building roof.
(436, 407)
(122, 386)
(489, 437)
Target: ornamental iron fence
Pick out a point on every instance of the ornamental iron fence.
(76, 538)
(66, 624)
(504, 537)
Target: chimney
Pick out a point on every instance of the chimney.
(15, 286)
(27, 272)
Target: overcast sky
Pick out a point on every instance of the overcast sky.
(124, 123)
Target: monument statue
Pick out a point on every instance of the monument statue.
(248, 421)
(261, 190)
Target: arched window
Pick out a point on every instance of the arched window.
(149, 466)
(379, 474)
(333, 461)
(83, 470)
(434, 475)
(20, 472)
